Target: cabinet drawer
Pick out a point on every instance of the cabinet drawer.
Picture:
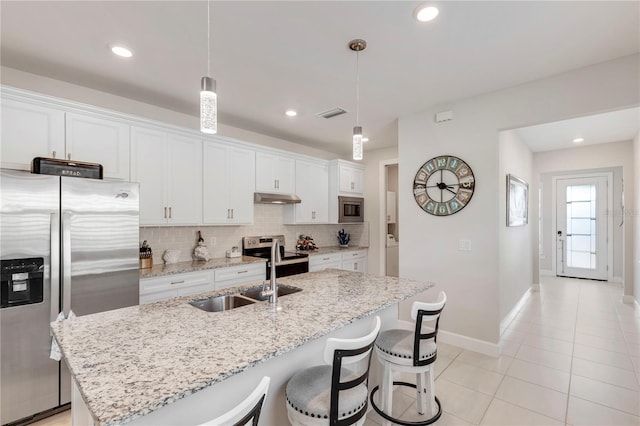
(321, 259)
(355, 254)
(237, 275)
(166, 287)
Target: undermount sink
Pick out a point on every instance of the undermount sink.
(221, 303)
(232, 301)
(255, 293)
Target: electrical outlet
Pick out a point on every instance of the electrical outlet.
(464, 245)
(213, 241)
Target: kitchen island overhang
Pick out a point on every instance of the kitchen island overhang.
(132, 362)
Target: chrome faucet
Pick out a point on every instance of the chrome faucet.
(273, 285)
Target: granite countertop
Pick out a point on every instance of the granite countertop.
(197, 265)
(132, 361)
(331, 249)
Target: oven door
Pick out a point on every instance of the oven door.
(289, 267)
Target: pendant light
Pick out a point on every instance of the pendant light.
(208, 96)
(357, 45)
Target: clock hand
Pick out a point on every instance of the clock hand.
(447, 188)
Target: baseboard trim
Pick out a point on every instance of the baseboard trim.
(630, 300)
(616, 279)
(514, 311)
(546, 272)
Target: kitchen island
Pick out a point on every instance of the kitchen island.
(171, 363)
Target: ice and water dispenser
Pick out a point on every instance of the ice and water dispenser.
(22, 281)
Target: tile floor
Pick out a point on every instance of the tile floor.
(570, 357)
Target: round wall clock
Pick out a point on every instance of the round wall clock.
(443, 185)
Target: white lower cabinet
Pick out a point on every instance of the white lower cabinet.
(355, 260)
(169, 286)
(238, 275)
(323, 261)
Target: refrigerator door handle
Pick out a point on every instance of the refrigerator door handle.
(54, 265)
(66, 263)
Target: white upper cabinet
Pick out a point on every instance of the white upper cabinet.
(96, 140)
(229, 179)
(29, 131)
(351, 180)
(274, 173)
(312, 186)
(169, 171)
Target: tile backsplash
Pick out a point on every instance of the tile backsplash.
(267, 220)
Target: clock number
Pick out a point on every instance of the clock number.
(442, 162)
(454, 205)
(463, 172)
(453, 163)
(430, 207)
(429, 167)
(422, 176)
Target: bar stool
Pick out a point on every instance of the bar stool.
(335, 393)
(247, 412)
(411, 352)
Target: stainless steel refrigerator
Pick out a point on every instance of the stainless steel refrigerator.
(66, 244)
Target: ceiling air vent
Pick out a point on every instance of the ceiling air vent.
(334, 112)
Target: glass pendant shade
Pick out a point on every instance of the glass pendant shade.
(357, 143)
(208, 106)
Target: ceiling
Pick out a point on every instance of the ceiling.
(616, 126)
(268, 56)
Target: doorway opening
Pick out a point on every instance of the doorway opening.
(389, 222)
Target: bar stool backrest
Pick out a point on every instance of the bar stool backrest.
(247, 412)
(340, 352)
(426, 312)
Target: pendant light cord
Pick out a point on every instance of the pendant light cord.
(208, 38)
(357, 87)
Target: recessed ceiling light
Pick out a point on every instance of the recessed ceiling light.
(291, 113)
(365, 139)
(121, 51)
(425, 13)
(578, 140)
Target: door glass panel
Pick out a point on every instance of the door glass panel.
(581, 226)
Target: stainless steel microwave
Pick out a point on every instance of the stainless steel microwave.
(351, 209)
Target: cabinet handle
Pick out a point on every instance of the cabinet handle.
(326, 258)
(352, 185)
(388, 218)
(231, 213)
(53, 154)
(355, 266)
(313, 215)
(177, 282)
(242, 272)
(69, 156)
(165, 212)
(169, 212)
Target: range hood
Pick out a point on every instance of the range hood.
(266, 198)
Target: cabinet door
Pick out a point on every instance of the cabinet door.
(185, 180)
(274, 174)
(351, 180)
(29, 131)
(96, 140)
(149, 167)
(216, 183)
(312, 186)
(241, 185)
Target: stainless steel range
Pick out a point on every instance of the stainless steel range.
(292, 263)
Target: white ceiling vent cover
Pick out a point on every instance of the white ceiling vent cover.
(330, 113)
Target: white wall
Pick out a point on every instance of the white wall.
(515, 260)
(633, 215)
(73, 92)
(429, 248)
(372, 190)
(616, 158)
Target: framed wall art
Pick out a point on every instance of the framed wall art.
(517, 201)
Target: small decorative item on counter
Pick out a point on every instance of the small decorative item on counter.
(201, 252)
(171, 256)
(146, 256)
(305, 242)
(234, 252)
(343, 238)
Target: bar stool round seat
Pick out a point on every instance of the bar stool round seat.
(247, 412)
(410, 352)
(336, 393)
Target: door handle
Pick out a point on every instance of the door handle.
(169, 212)
(54, 265)
(165, 212)
(66, 263)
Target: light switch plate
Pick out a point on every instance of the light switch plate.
(464, 245)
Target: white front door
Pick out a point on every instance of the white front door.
(581, 209)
